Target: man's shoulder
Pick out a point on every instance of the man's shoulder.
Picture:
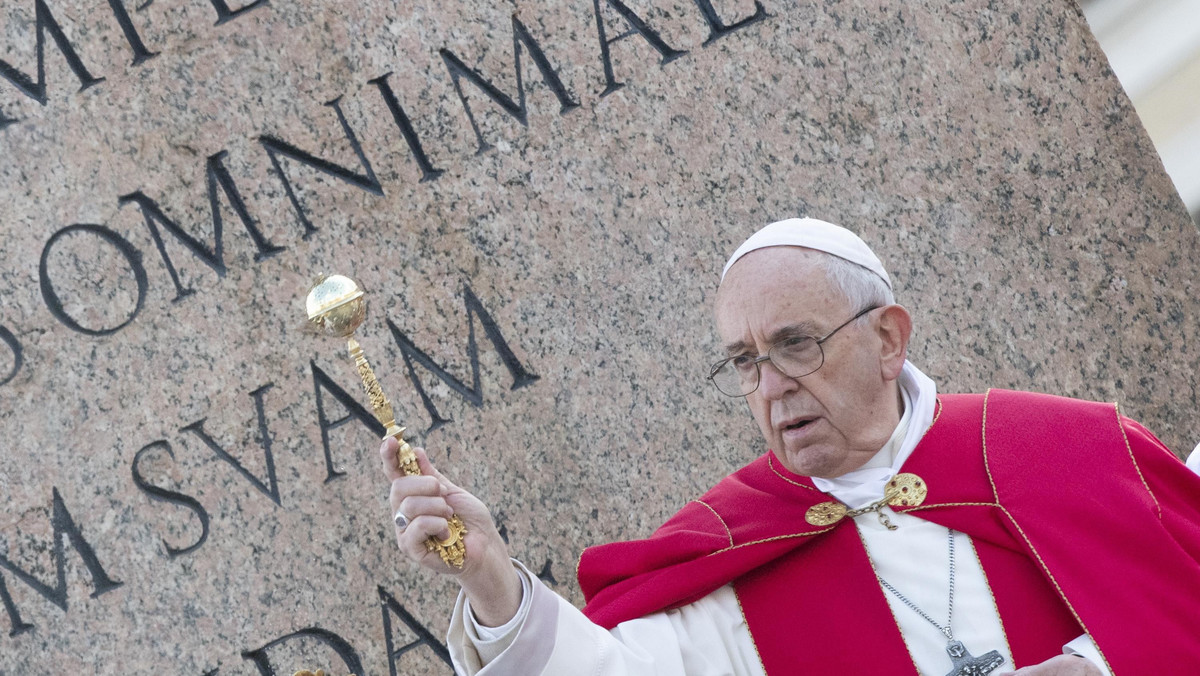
(1014, 418)
(733, 509)
(1030, 405)
(1059, 433)
(1023, 396)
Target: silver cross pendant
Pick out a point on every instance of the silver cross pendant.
(966, 664)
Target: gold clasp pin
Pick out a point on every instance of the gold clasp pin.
(904, 490)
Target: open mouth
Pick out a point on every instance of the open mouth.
(798, 424)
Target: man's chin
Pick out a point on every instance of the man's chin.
(815, 461)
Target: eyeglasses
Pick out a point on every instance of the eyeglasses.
(795, 357)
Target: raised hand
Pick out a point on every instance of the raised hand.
(424, 503)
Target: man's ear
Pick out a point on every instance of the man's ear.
(894, 327)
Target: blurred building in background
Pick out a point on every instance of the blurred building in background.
(1154, 48)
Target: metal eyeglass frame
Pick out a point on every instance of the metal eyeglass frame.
(712, 373)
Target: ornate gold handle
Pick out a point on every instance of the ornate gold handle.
(453, 549)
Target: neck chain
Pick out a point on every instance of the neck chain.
(965, 664)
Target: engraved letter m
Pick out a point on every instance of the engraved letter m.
(473, 393)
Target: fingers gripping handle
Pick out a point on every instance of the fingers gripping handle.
(453, 549)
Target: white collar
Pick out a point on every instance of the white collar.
(865, 485)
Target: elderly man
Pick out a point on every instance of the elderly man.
(888, 530)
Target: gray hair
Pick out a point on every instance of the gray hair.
(861, 287)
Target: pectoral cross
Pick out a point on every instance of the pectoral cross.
(966, 664)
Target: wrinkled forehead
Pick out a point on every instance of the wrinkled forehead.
(777, 282)
(772, 266)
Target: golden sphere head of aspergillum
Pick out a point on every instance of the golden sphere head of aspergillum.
(336, 305)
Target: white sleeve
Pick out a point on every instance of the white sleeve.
(553, 638)
(1086, 648)
(1193, 460)
(489, 642)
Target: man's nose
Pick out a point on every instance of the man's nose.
(773, 383)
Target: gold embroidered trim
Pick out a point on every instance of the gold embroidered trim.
(949, 504)
(771, 464)
(986, 465)
(753, 641)
(728, 533)
(988, 583)
(772, 539)
(1054, 581)
(1129, 450)
(936, 414)
(895, 620)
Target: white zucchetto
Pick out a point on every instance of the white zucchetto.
(811, 233)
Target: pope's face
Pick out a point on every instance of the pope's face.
(831, 421)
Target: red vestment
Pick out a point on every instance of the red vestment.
(1082, 521)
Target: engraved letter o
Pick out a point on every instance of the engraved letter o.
(15, 346)
(132, 256)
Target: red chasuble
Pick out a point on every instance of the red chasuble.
(1082, 520)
